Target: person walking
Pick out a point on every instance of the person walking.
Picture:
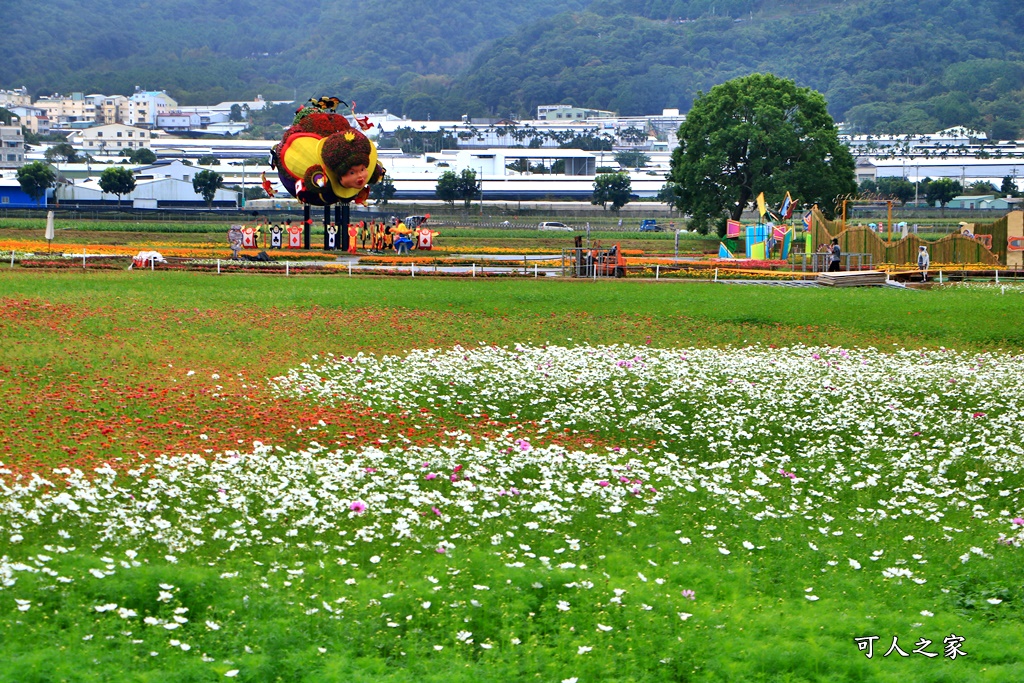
(922, 262)
(834, 254)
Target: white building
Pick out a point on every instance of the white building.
(149, 193)
(145, 105)
(178, 122)
(110, 139)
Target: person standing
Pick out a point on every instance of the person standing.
(834, 253)
(922, 262)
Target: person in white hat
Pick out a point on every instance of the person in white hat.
(922, 262)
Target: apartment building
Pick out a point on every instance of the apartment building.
(15, 98)
(144, 106)
(12, 146)
(65, 111)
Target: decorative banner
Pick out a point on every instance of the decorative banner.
(294, 236)
(757, 251)
(762, 209)
(1015, 244)
(779, 232)
(787, 207)
(732, 228)
(723, 251)
(807, 220)
(249, 238)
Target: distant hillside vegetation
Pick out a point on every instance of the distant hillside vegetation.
(911, 66)
(203, 51)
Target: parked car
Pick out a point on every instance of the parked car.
(413, 222)
(554, 225)
(650, 225)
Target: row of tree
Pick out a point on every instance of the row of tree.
(37, 177)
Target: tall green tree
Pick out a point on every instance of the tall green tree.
(447, 188)
(117, 180)
(206, 183)
(143, 155)
(62, 152)
(613, 189)
(899, 189)
(1009, 186)
(632, 159)
(941, 191)
(757, 133)
(469, 188)
(383, 191)
(35, 179)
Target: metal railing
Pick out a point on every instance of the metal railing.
(818, 261)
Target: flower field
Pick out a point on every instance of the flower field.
(475, 481)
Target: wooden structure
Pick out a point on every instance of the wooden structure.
(1004, 236)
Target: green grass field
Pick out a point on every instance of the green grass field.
(374, 479)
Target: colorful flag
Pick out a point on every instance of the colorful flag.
(732, 228)
(761, 208)
(779, 231)
(723, 251)
(757, 251)
(807, 221)
(787, 207)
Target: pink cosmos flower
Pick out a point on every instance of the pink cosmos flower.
(1018, 520)
(689, 594)
(441, 550)
(430, 475)
(603, 483)
(436, 511)
(357, 507)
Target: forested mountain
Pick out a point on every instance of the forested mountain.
(912, 66)
(201, 51)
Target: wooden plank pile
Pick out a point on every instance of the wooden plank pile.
(853, 278)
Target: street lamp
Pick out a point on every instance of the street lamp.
(481, 190)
